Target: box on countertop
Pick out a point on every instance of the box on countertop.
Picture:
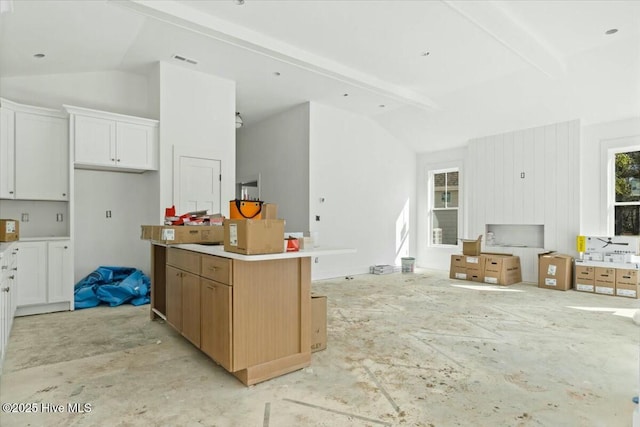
(254, 236)
(9, 230)
(176, 234)
(555, 271)
(318, 323)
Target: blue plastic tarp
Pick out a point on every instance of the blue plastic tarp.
(113, 286)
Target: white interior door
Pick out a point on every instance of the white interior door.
(199, 185)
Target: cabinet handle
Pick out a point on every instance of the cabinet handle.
(64, 194)
(12, 277)
(4, 267)
(5, 289)
(10, 192)
(213, 288)
(15, 268)
(118, 159)
(214, 268)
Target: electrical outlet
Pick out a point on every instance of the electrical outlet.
(108, 214)
(59, 217)
(317, 217)
(315, 260)
(24, 217)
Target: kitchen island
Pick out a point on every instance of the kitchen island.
(250, 313)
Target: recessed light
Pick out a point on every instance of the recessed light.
(39, 55)
(276, 73)
(239, 2)
(381, 105)
(611, 31)
(345, 94)
(426, 53)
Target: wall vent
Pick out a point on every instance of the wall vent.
(185, 59)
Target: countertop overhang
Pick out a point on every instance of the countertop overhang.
(218, 250)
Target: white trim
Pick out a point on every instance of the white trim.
(608, 149)
(431, 202)
(81, 111)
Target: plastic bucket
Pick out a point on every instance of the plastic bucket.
(408, 264)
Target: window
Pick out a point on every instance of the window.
(627, 193)
(444, 192)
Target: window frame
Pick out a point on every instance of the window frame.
(611, 185)
(431, 208)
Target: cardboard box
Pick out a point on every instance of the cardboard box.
(458, 268)
(474, 266)
(175, 234)
(318, 323)
(472, 247)
(555, 271)
(269, 211)
(254, 236)
(502, 269)
(9, 230)
(627, 284)
(605, 280)
(585, 278)
(613, 244)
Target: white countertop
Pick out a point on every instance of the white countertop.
(218, 250)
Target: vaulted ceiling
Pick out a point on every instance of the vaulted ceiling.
(432, 73)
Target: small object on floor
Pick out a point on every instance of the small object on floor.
(349, 277)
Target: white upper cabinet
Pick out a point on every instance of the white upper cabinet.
(34, 153)
(109, 141)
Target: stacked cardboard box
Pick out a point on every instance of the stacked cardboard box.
(555, 271)
(498, 269)
(609, 265)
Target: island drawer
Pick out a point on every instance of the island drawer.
(216, 268)
(184, 260)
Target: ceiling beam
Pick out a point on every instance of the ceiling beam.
(182, 15)
(495, 19)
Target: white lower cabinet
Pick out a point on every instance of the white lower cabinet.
(46, 280)
(8, 280)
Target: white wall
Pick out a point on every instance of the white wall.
(427, 256)
(197, 113)
(592, 175)
(278, 150)
(115, 91)
(367, 179)
(111, 241)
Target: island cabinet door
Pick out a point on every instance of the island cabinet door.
(215, 314)
(191, 308)
(174, 297)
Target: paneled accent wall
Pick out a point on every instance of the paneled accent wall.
(529, 176)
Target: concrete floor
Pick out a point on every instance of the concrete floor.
(403, 350)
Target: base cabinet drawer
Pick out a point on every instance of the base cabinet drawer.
(215, 315)
(216, 268)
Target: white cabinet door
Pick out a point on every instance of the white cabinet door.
(32, 267)
(41, 157)
(7, 154)
(135, 145)
(60, 272)
(95, 141)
